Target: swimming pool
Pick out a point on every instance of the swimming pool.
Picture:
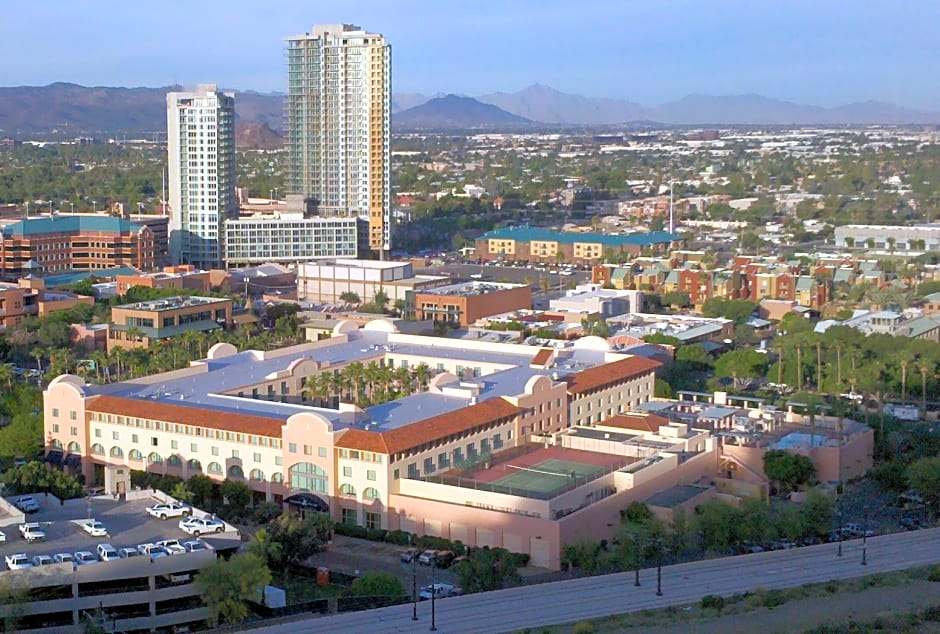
(797, 440)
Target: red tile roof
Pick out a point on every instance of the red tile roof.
(430, 429)
(640, 422)
(542, 357)
(610, 374)
(362, 440)
(186, 415)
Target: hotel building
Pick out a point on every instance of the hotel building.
(452, 459)
(201, 167)
(338, 124)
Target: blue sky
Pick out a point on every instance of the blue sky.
(650, 51)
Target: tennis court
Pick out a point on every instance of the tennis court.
(546, 476)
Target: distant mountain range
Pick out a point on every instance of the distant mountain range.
(73, 109)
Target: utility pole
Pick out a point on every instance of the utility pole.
(414, 586)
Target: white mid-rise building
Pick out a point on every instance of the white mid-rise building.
(201, 170)
(338, 124)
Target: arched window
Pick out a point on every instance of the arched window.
(194, 465)
(97, 449)
(74, 447)
(134, 454)
(174, 461)
(57, 443)
(116, 452)
(154, 458)
(277, 478)
(370, 494)
(309, 477)
(256, 474)
(347, 489)
(215, 467)
(235, 472)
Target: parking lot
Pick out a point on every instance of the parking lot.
(127, 521)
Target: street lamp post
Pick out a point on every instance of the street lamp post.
(865, 539)
(433, 597)
(414, 587)
(659, 567)
(636, 559)
(839, 554)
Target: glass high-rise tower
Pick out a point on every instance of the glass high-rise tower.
(338, 124)
(201, 169)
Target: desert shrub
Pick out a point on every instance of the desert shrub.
(583, 627)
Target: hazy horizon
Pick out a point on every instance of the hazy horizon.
(645, 52)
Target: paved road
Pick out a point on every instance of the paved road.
(596, 597)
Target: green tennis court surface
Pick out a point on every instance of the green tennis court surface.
(546, 476)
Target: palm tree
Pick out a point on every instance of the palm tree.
(372, 375)
(354, 373)
(6, 376)
(403, 376)
(923, 386)
(423, 374)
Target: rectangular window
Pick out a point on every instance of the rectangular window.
(55, 412)
(134, 438)
(292, 447)
(97, 433)
(428, 465)
(443, 460)
(73, 415)
(215, 451)
(350, 517)
(193, 447)
(347, 472)
(154, 441)
(395, 475)
(370, 475)
(321, 451)
(373, 520)
(308, 450)
(235, 453)
(413, 470)
(74, 432)
(55, 428)
(258, 457)
(115, 435)
(278, 460)
(174, 444)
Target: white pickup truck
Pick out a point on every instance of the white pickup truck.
(173, 509)
(31, 532)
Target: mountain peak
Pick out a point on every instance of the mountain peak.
(456, 112)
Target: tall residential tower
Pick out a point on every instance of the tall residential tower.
(201, 148)
(338, 124)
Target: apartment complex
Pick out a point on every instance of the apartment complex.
(531, 244)
(201, 167)
(423, 463)
(74, 242)
(137, 325)
(338, 124)
(29, 298)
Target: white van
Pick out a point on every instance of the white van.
(107, 552)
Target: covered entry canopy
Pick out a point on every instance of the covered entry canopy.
(308, 501)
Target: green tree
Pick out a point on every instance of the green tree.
(377, 584)
(695, 355)
(595, 326)
(790, 470)
(677, 299)
(237, 495)
(719, 525)
(201, 487)
(738, 310)
(227, 586)
(486, 569)
(816, 514)
(741, 365)
(924, 477)
(350, 297)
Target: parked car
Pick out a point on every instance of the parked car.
(95, 528)
(855, 530)
(409, 555)
(459, 560)
(107, 552)
(127, 552)
(907, 523)
(443, 558)
(84, 557)
(200, 525)
(427, 557)
(19, 561)
(439, 590)
(195, 546)
(172, 546)
(173, 509)
(31, 532)
(63, 558)
(3, 536)
(42, 560)
(27, 504)
(155, 551)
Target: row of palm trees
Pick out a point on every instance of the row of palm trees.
(366, 385)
